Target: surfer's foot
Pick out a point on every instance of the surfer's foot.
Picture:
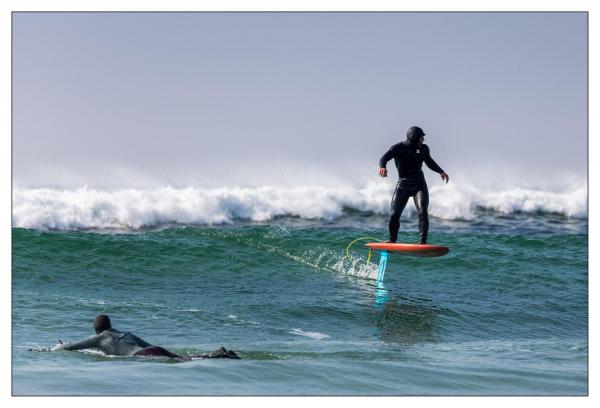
(223, 353)
(389, 241)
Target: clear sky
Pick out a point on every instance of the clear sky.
(209, 98)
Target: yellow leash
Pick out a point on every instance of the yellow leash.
(362, 239)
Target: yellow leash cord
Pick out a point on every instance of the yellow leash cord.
(362, 239)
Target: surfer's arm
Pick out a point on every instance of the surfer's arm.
(431, 163)
(384, 159)
(90, 342)
(387, 156)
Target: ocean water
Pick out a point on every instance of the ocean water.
(264, 272)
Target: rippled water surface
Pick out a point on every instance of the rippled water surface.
(505, 312)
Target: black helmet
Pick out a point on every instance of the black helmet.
(414, 134)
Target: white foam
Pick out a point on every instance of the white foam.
(460, 201)
(312, 335)
(356, 267)
(87, 208)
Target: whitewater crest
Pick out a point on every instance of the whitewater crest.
(88, 208)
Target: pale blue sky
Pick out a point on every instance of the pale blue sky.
(208, 98)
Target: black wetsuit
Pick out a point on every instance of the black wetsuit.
(157, 351)
(409, 157)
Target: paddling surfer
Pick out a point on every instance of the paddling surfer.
(409, 156)
(118, 343)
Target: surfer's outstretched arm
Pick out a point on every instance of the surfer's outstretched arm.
(429, 160)
(387, 156)
(90, 342)
(433, 165)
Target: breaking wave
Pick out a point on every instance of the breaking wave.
(88, 208)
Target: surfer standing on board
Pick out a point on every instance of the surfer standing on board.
(409, 156)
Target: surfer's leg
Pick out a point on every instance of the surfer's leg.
(223, 353)
(155, 351)
(422, 202)
(220, 353)
(399, 200)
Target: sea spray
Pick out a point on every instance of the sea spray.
(131, 209)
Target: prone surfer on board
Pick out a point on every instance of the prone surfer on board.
(117, 343)
(409, 156)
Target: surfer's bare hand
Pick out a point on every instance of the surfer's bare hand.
(383, 172)
(445, 177)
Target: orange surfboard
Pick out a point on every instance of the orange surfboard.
(410, 249)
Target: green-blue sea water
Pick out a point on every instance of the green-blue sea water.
(505, 312)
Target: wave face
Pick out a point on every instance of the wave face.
(87, 208)
(500, 314)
